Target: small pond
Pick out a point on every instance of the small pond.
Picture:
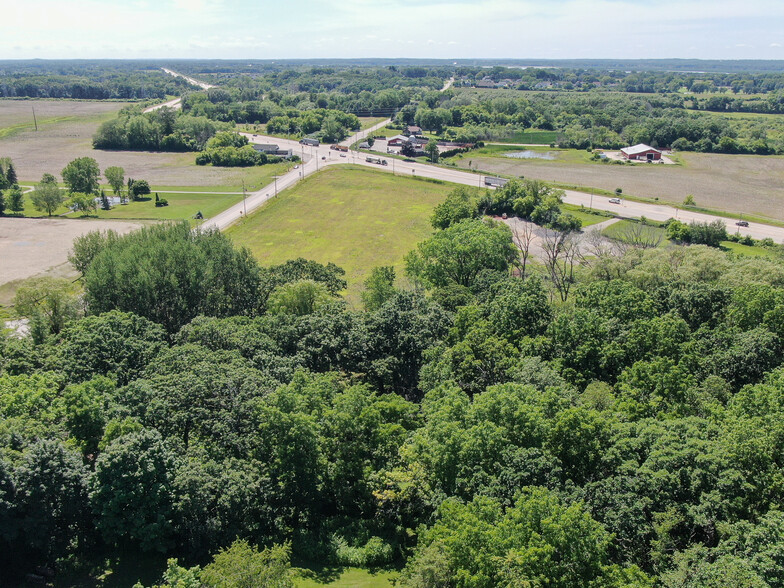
(528, 154)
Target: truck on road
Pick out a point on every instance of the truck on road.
(376, 160)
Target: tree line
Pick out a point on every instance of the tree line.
(605, 120)
(87, 80)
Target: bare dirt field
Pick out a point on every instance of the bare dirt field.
(752, 184)
(68, 135)
(31, 247)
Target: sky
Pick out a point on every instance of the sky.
(448, 29)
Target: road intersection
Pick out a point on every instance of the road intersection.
(316, 158)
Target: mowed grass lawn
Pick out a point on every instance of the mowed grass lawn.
(351, 216)
(587, 217)
(181, 206)
(350, 578)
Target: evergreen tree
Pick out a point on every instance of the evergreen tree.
(105, 201)
(16, 199)
(10, 175)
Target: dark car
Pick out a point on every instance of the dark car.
(742, 223)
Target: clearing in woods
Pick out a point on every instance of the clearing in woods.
(354, 217)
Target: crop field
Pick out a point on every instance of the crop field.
(351, 216)
(751, 184)
(68, 135)
(32, 247)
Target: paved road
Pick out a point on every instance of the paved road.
(315, 158)
(177, 102)
(195, 82)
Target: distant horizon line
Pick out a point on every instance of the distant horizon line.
(452, 59)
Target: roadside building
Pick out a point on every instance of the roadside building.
(397, 141)
(267, 148)
(270, 149)
(641, 152)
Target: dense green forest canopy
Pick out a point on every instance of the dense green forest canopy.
(477, 432)
(595, 119)
(87, 80)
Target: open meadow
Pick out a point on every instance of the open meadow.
(351, 216)
(67, 134)
(749, 184)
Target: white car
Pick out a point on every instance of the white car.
(615, 200)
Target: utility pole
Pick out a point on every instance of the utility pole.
(34, 119)
(591, 205)
(244, 206)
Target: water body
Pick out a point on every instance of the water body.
(531, 155)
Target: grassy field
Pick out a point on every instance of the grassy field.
(354, 217)
(181, 206)
(588, 218)
(748, 184)
(748, 250)
(348, 578)
(622, 227)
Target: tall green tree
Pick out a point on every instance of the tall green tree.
(458, 253)
(82, 175)
(379, 287)
(51, 500)
(432, 150)
(170, 274)
(10, 175)
(50, 303)
(115, 175)
(15, 199)
(47, 196)
(131, 491)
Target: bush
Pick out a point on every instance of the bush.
(375, 552)
(245, 156)
(140, 188)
